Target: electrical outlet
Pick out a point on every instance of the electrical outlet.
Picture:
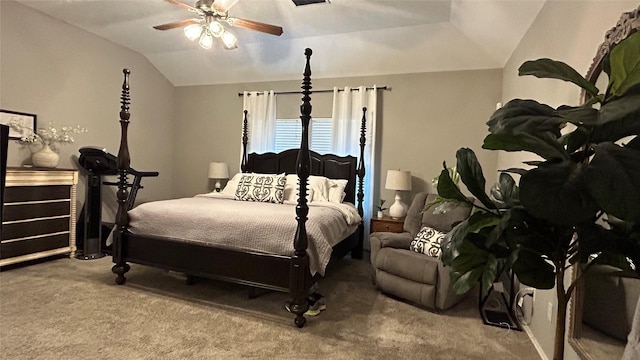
(498, 287)
(549, 311)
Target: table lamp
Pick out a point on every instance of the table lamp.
(218, 171)
(398, 180)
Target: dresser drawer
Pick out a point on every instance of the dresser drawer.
(36, 193)
(9, 249)
(34, 228)
(23, 211)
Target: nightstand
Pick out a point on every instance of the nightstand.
(386, 224)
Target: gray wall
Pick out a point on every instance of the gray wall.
(572, 31)
(423, 120)
(68, 76)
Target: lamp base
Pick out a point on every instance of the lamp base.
(399, 209)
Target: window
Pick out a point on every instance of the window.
(288, 135)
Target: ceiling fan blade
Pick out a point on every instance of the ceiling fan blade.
(176, 24)
(224, 5)
(183, 5)
(255, 25)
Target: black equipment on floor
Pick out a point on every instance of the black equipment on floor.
(91, 232)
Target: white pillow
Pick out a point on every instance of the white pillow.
(291, 189)
(232, 185)
(318, 189)
(336, 190)
(427, 242)
(261, 188)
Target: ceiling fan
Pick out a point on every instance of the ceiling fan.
(212, 13)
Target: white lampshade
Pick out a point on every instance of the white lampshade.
(398, 180)
(218, 171)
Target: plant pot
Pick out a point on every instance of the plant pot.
(380, 214)
(45, 157)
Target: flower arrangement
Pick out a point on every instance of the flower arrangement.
(49, 136)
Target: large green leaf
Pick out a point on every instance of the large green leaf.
(544, 144)
(618, 119)
(533, 270)
(451, 244)
(505, 192)
(612, 248)
(471, 175)
(634, 143)
(613, 179)
(447, 188)
(473, 264)
(557, 192)
(528, 232)
(579, 115)
(525, 117)
(547, 68)
(625, 65)
(576, 139)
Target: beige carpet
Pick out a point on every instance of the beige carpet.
(72, 309)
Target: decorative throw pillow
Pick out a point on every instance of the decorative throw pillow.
(427, 242)
(261, 188)
(232, 185)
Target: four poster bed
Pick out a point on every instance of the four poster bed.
(293, 270)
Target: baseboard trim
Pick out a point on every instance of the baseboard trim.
(535, 342)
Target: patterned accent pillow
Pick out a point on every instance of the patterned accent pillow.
(428, 241)
(261, 188)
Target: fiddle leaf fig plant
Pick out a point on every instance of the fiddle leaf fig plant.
(578, 204)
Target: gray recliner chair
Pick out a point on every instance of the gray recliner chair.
(416, 277)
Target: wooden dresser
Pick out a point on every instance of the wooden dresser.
(39, 214)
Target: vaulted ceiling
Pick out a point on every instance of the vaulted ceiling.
(349, 37)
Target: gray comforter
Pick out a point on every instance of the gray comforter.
(246, 226)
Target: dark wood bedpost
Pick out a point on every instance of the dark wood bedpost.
(356, 253)
(122, 217)
(245, 140)
(299, 285)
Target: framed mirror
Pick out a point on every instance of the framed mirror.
(602, 306)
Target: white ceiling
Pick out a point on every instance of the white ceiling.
(349, 37)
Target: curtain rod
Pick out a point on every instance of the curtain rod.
(319, 91)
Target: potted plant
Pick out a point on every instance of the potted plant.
(381, 209)
(580, 204)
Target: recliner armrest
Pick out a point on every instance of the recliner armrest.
(394, 240)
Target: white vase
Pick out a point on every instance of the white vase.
(380, 214)
(45, 157)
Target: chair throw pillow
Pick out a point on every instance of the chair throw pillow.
(261, 188)
(427, 242)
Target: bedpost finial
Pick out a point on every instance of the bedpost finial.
(126, 71)
(308, 52)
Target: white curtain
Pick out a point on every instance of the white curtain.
(347, 117)
(261, 120)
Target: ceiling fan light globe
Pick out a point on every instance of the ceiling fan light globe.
(230, 42)
(193, 31)
(216, 29)
(206, 40)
